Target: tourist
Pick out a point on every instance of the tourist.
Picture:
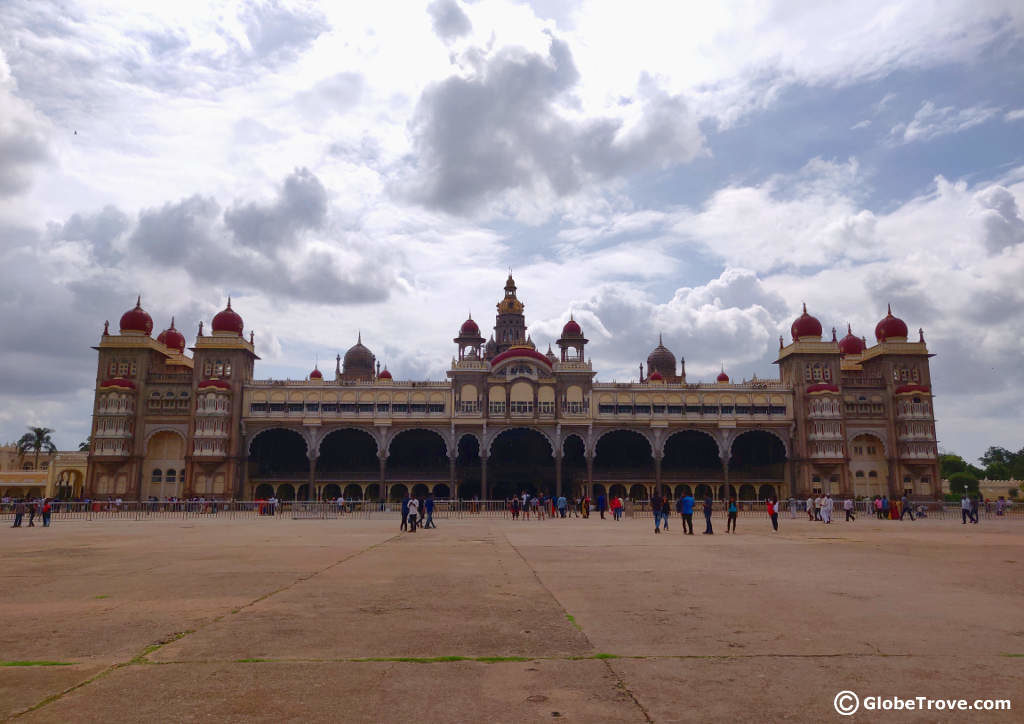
(537, 507)
(46, 512)
(562, 504)
(709, 505)
(905, 508)
(19, 513)
(617, 506)
(974, 509)
(1000, 505)
(586, 505)
(573, 507)
(733, 513)
(429, 506)
(826, 508)
(414, 511)
(810, 508)
(273, 504)
(405, 514)
(886, 503)
(656, 510)
(848, 509)
(965, 509)
(666, 511)
(894, 509)
(688, 503)
(31, 513)
(774, 513)
(679, 509)
(818, 500)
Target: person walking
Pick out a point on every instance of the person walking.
(965, 509)
(688, 503)
(47, 510)
(563, 505)
(848, 509)
(414, 512)
(906, 508)
(818, 502)
(656, 510)
(810, 508)
(19, 513)
(975, 501)
(405, 514)
(679, 509)
(31, 513)
(709, 504)
(602, 504)
(773, 512)
(733, 513)
(585, 504)
(826, 508)
(574, 507)
(428, 505)
(666, 511)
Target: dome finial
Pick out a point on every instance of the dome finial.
(172, 321)
(138, 302)
(849, 330)
(229, 301)
(805, 307)
(890, 309)
(660, 343)
(920, 334)
(359, 337)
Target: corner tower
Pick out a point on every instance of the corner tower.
(510, 323)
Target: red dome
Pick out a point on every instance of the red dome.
(850, 344)
(172, 338)
(520, 352)
(722, 377)
(805, 326)
(228, 320)
(136, 320)
(891, 328)
(316, 374)
(384, 374)
(655, 376)
(469, 328)
(572, 329)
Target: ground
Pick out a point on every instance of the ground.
(495, 620)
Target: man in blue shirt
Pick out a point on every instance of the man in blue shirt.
(405, 514)
(709, 505)
(428, 504)
(686, 510)
(561, 504)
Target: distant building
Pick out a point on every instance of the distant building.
(60, 474)
(843, 418)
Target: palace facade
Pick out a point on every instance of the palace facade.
(842, 417)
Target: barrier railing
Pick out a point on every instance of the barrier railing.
(448, 509)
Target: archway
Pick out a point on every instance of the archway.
(683, 490)
(638, 492)
(330, 492)
(278, 453)
(747, 492)
(726, 492)
(442, 491)
(372, 491)
(419, 490)
(618, 491)
(303, 493)
(757, 455)
(263, 491)
(623, 456)
(703, 490)
(520, 460)
(869, 468)
(397, 491)
(165, 456)
(347, 451)
(420, 454)
(286, 492)
(353, 492)
(691, 454)
(574, 465)
(467, 467)
(765, 492)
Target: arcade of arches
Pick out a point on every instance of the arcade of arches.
(349, 463)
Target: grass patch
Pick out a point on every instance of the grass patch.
(414, 659)
(36, 663)
(1014, 656)
(253, 661)
(500, 659)
(605, 656)
(572, 620)
(101, 596)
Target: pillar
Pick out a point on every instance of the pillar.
(725, 476)
(311, 494)
(382, 490)
(657, 475)
(558, 476)
(451, 475)
(590, 477)
(483, 476)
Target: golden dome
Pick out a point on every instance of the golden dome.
(510, 305)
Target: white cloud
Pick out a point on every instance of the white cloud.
(1014, 115)
(931, 122)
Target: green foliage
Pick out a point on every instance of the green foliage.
(960, 483)
(1003, 464)
(85, 444)
(950, 464)
(37, 441)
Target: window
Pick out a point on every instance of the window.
(172, 475)
(44, 466)
(605, 409)
(873, 474)
(312, 407)
(157, 475)
(26, 466)
(815, 478)
(871, 449)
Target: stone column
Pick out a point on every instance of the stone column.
(311, 493)
(382, 490)
(590, 477)
(483, 476)
(558, 476)
(657, 475)
(451, 476)
(725, 476)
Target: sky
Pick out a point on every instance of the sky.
(695, 170)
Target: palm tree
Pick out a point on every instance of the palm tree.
(37, 440)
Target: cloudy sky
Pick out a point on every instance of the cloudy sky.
(698, 170)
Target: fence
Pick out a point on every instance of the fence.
(443, 509)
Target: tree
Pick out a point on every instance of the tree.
(85, 444)
(949, 464)
(1003, 464)
(961, 483)
(37, 440)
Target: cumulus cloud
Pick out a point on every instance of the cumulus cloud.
(931, 122)
(23, 136)
(448, 19)
(506, 128)
(1015, 115)
(301, 205)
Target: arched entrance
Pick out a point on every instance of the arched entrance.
(397, 491)
(353, 492)
(467, 468)
(574, 466)
(520, 460)
(418, 455)
(278, 454)
(747, 492)
(286, 492)
(442, 491)
(869, 468)
(691, 455)
(163, 470)
(757, 456)
(683, 490)
(638, 492)
(263, 491)
(330, 491)
(623, 456)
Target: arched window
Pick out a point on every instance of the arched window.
(26, 466)
(157, 475)
(859, 474)
(906, 478)
(873, 474)
(171, 476)
(815, 478)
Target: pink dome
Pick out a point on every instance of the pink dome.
(316, 374)
(851, 344)
(469, 328)
(137, 320)
(172, 338)
(655, 376)
(805, 326)
(572, 329)
(228, 320)
(891, 328)
(722, 377)
(384, 374)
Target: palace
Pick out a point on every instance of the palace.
(843, 417)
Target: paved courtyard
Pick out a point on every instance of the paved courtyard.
(495, 620)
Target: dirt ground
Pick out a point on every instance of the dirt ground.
(495, 620)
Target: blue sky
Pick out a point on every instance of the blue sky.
(698, 171)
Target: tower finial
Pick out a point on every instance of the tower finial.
(359, 337)
(781, 345)
(660, 343)
(138, 302)
(920, 334)
(172, 321)
(890, 309)
(229, 301)
(849, 330)
(805, 307)
(834, 334)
